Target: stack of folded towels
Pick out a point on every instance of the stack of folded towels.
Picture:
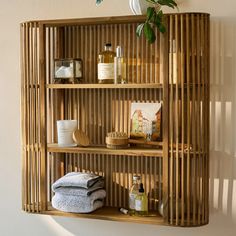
(78, 192)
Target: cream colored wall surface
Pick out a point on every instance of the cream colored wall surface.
(223, 115)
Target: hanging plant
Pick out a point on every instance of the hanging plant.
(154, 18)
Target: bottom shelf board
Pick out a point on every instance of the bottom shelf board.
(112, 214)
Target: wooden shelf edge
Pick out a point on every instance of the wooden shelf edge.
(118, 86)
(103, 86)
(106, 19)
(111, 214)
(103, 150)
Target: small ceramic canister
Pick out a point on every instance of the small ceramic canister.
(65, 129)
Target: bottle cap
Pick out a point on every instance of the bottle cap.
(119, 51)
(141, 189)
(108, 44)
(136, 177)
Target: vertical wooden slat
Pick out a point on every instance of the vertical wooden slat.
(48, 104)
(34, 76)
(202, 33)
(23, 112)
(28, 113)
(198, 81)
(37, 114)
(125, 195)
(188, 117)
(171, 118)
(193, 66)
(42, 73)
(177, 23)
(164, 77)
(207, 118)
(182, 117)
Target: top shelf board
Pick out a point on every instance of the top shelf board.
(103, 86)
(106, 19)
(119, 86)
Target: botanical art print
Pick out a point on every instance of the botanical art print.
(146, 121)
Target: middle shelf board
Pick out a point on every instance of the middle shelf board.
(149, 152)
(104, 86)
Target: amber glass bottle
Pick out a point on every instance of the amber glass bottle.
(106, 65)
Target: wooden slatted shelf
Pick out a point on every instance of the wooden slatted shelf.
(103, 150)
(174, 173)
(112, 214)
(103, 86)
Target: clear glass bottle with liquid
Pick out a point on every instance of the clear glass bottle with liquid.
(106, 65)
(119, 67)
(133, 194)
(141, 202)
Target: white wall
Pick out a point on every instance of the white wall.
(223, 103)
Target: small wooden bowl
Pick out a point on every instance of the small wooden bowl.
(80, 138)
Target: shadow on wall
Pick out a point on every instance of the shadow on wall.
(223, 117)
(222, 157)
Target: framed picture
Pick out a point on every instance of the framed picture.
(146, 121)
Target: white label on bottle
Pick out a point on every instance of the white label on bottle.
(132, 197)
(138, 205)
(105, 71)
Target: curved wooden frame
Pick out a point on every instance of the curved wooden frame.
(174, 70)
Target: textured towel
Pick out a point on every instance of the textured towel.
(76, 191)
(77, 203)
(79, 180)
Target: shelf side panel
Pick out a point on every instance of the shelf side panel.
(31, 119)
(189, 119)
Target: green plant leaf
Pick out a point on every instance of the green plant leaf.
(158, 22)
(158, 18)
(152, 1)
(139, 29)
(160, 14)
(169, 3)
(162, 28)
(98, 2)
(149, 33)
(150, 13)
(154, 17)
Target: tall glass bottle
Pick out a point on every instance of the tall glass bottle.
(106, 65)
(133, 193)
(119, 67)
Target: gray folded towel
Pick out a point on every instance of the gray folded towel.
(77, 203)
(79, 179)
(78, 192)
(68, 190)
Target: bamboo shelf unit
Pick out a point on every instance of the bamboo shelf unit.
(174, 71)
